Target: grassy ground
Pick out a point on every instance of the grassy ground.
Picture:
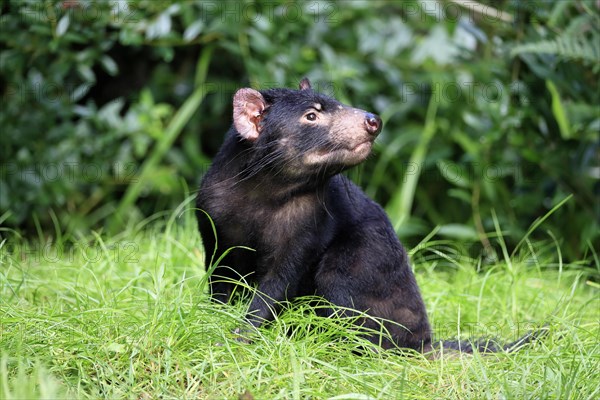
(128, 317)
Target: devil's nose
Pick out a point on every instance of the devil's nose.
(373, 123)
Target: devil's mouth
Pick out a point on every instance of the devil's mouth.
(364, 145)
(343, 155)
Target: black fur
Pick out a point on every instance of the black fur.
(275, 187)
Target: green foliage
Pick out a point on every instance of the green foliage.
(112, 110)
(574, 40)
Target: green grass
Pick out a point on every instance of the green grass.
(128, 317)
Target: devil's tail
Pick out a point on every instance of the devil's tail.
(492, 346)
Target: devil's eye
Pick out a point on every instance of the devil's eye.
(311, 116)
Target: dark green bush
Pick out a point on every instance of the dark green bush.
(112, 110)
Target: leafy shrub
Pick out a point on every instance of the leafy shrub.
(490, 112)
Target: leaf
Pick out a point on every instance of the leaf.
(454, 173)
(193, 30)
(559, 111)
(63, 25)
(458, 231)
(86, 73)
(79, 92)
(460, 194)
(116, 348)
(159, 28)
(110, 113)
(574, 47)
(437, 46)
(110, 66)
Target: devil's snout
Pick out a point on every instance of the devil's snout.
(373, 123)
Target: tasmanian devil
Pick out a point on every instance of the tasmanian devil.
(275, 186)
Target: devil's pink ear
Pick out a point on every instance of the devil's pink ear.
(305, 84)
(248, 107)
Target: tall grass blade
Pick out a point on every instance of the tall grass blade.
(400, 205)
(180, 119)
(538, 222)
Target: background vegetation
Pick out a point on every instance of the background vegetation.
(111, 111)
(488, 166)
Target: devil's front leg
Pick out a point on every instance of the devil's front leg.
(280, 282)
